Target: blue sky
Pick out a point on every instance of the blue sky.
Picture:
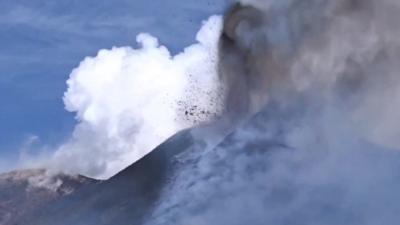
(42, 41)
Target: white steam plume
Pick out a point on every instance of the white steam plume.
(127, 101)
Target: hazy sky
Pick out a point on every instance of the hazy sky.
(42, 41)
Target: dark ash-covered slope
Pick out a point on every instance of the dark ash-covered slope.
(127, 196)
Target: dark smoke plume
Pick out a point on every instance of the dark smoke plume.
(240, 44)
(277, 49)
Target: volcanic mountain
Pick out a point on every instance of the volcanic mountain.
(320, 147)
(37, 197)
(256, 174)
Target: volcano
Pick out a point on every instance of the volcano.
(308, 136)
(261, 176)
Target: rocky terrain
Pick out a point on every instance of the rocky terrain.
(22, 192)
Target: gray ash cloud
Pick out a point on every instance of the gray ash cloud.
(322, 79)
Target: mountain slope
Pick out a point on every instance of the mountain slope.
(265, 172)
(22, 192)
(128, 196)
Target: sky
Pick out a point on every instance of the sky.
(41, 42)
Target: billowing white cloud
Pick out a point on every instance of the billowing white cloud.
(127, 101)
